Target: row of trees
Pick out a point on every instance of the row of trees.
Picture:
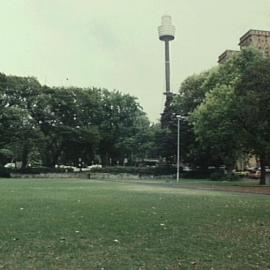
(49, 126)
(228, 112)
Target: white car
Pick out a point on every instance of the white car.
(10, 165)
(94, 166)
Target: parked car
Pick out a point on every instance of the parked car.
(94, 166)
(267, 169)
(254, 175)
(10, 165)
(89, 168)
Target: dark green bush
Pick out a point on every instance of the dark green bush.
(218, 175)
(196, 174)
(4, 172)
(161, 170)
(39, 170)
(233, 177)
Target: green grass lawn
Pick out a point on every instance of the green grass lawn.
(80, 224)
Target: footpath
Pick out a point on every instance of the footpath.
(260, 190)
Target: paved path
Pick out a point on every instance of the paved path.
(248, 189)
(264, 190)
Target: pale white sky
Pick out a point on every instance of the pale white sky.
(114, 43)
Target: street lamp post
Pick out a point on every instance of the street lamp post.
(178, 146)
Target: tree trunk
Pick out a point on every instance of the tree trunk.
(262, 164)
(25, 153)
(105, 158)
(229, 170)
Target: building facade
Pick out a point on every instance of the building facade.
(257, 39)
(253, 38)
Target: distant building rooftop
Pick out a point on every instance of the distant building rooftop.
(252, 32)
(258, 39)
(226, 56)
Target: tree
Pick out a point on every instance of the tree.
(68, 119)
(216, 126)
(19, 132)
(253, 95)
(234, 116)
(121, 117)
(191, 94)
(62, 125)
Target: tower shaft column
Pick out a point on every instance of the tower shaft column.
(167, 66)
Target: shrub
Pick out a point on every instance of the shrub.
(160, 170)
(39, 170)
(4, 172)
(218, 176)
(196, 174)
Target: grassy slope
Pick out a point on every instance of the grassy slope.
(65, 224)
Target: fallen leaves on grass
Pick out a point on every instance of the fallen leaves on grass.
(62, 239)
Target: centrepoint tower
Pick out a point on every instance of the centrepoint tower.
(166, 33)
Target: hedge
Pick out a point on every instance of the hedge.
(4, 172)
(161, 170)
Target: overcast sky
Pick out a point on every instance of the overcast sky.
(114, 44)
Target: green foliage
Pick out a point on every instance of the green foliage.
(227, 112)
(234, 116)
(55, 125)
(39, 170)
(4, 172)
(215, 125)
(253, 94)
(6, 155)
(197, 174)
(191, 94)
(218, 175)
(122, 122)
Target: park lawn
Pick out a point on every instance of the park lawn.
(82, 224)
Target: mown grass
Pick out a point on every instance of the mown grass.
(65, 224)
